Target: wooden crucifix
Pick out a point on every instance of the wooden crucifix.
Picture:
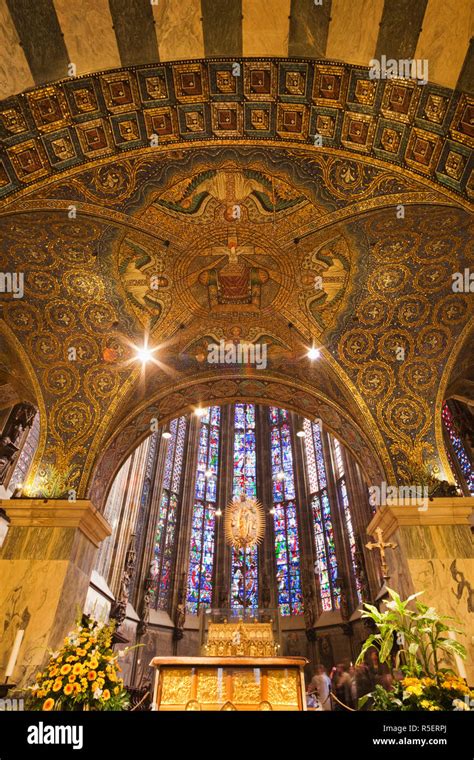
(381, 545)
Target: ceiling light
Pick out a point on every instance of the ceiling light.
(313, 353)
(144, 354)
(301, 434)
(280, 475)
(271, 511)
(209, 473)
(166, 434)
(218, 512)
(200, 412)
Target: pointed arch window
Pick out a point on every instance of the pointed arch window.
(202, 546)
(285, 520)
(457, 449)
(344, 499)
(244, 572)
(27, 453)
(326, 561)
(165, 535)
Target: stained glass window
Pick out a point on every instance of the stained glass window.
(26, 454)
(199, 588)
(165, 534)
(285, 521)
(344, 498)
(326, 562)
(458, 447)
(244, 582)
(350, 534)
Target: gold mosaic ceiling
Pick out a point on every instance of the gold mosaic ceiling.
(225, 236)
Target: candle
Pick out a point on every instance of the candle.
(14, 654)
(459, 662)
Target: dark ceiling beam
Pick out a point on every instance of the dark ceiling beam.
(134, 27)
(41, 38)
(222, 28)
(309, 27)
(466, 77)
(400, 28)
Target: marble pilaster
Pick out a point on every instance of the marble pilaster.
(45, 566)
(435, 554)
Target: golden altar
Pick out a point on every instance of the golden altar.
(229, 683)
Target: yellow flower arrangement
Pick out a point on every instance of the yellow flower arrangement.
(83, 672)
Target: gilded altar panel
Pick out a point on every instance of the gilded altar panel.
(210, 686)
(176, 686)
(283, 688)
(247, 687)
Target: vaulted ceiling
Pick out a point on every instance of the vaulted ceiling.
(190, 203)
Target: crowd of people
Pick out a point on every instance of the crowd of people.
(345, 684)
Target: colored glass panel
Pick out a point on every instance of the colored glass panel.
(326, 561)
(165, 534)
(244, 572)
(350, 534)
(458, 447)
(285, 523)
(202, 544)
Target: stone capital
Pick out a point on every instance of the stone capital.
(440, 511)
(58, 513)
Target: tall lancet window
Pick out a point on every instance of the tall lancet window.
(26, 454)
(165, 535)
(284, 517)
(344, 500)
(457, 446)
(199, 591)
(326, 562)
(244, 585)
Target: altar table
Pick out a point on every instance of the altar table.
(229, 683)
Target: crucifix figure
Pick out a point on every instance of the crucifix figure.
(381, 546)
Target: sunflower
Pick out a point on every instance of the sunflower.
(49, 704)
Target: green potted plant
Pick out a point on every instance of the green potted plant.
(423, 639)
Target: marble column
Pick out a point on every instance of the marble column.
(435, 554)
(45, 566)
